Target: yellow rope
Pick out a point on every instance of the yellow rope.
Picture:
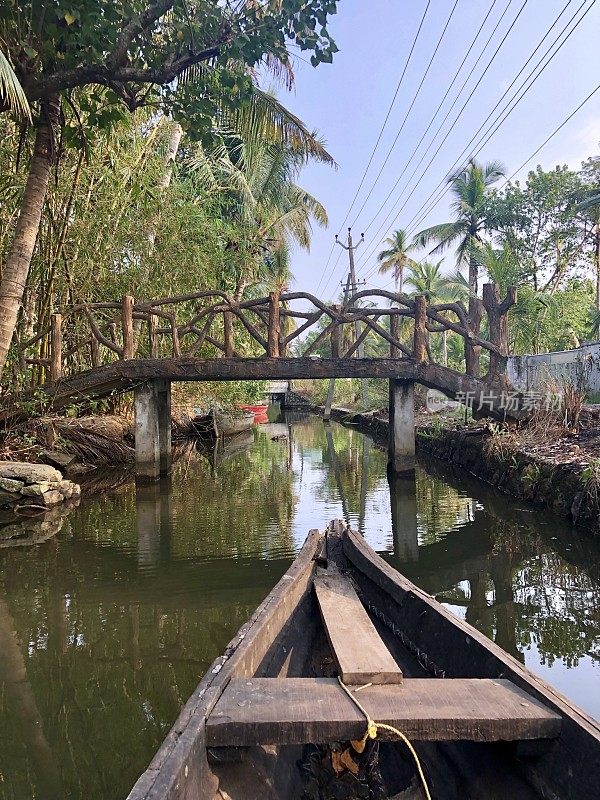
(374, 727)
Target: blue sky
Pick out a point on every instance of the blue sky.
(348, 100)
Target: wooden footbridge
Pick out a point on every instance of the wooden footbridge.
(206, 336)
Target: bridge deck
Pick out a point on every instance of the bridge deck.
(161, 339)
(124, 375)
(188, 368)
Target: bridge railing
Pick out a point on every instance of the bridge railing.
(210, 324)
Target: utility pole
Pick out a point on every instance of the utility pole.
(331, 387)
(351, 287)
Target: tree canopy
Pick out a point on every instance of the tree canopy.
(177, 53)
(189, 71)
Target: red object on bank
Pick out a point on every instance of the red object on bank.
(260, 413)
(254, 409)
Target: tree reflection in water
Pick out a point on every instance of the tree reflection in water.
(105, 630)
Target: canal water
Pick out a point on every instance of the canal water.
(106, 628)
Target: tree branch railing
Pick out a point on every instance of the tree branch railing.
(210, 324)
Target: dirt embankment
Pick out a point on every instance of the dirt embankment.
(552, 468)
(556, 475)
(69, 443)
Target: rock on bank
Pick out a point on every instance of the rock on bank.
(33, 485)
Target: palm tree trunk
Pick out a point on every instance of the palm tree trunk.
(399, 278)
(173, 142)
(474, 314)
(473, 275)
(19, 257)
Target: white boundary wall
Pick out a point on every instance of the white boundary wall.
(533, 373)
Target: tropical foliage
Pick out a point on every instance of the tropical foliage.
(395, 257)
(542, 236)
(258, 178)
(84, 65)
(167, 171)
(470, 191)
(11, 91)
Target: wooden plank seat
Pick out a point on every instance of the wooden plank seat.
(361, 655)
(277, 711)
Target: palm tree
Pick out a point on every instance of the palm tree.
(426, 279)
(533, 318)
(11, 91)
(501, 265)
(470, 188)
(264, 118)
(534, 310)
(258, 181)
(395, 257)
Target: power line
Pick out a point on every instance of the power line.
(553, 134)
(481, 144)
(431, 202)
(387, 116)
(544, 143)
(453, 81)
(414, 99)
(325, 268)
(471, 94)
(395, 142)
(337, 261)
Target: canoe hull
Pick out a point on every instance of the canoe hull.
(218, 425)
(180, 769)
(283, 639)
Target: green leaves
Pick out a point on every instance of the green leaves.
(191, 52)
(11, 91)
(539, 221)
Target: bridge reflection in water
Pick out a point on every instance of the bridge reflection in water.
(105, 631)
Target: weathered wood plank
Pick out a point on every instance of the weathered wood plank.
(153, 335)
(419, 336)
(317, 710)
(94, 351)
(274, 326)
(498, 324)
(228, 333)
(127, 327)
(360, 654)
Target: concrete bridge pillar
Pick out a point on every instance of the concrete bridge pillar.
(152, 401)
(401, 443)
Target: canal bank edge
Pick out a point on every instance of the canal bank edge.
(570, 490)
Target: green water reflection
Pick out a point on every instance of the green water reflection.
(106, 629)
